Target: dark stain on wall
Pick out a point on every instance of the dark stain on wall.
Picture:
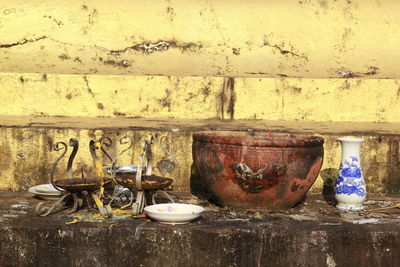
(123, 63)
(228, 98)
(56, 21)
(77, 59)
(100, 106)
(167, 100)
(64, 56)
(87, 86)
(119, 114)
(236, 51)
(392, 183)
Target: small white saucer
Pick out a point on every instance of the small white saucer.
(45, 191)
(173, 213)
(121, 169)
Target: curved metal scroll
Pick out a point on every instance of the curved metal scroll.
(57, 147)
(124, 140)
(43, 210)
(145, 158)
(106, 141)
(164, 148)
(75, 144)
(93, 147)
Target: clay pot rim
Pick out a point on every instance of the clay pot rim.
(258, 138)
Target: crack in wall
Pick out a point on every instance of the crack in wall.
(87, 86)
(372, 70)
(283, 51)
(23, 42)
(150, 47)
(56, 21)
(145, 48)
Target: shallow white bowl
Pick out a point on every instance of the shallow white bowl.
(121, 169)
(45, 191)
(174, 213)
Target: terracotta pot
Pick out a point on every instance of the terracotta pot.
(256, 169)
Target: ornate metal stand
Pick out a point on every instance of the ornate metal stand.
(142, 180)
(90, 191)
(79, 190)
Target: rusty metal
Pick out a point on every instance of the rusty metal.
(124, 194)
(75, 144)
(96, 147)
(106, 141)
(142, 180)
(145, 158)
(43, 211)
(126, 140)
(394, 209)
(79, 184)
(79, 189)
(151, 182)
(113, 170)
(57, 147)
(89, 190)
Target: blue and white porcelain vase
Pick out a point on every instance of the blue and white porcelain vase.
(350, 190)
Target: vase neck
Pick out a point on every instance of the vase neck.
(350, 149)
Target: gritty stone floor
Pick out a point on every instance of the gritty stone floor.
(314, 233)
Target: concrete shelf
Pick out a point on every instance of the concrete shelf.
(191, 125)
(312, 234)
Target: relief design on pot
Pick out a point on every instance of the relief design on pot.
(350, 179)
(262, 179)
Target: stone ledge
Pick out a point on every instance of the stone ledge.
(190, 125)
(312, 234)
(26, 141)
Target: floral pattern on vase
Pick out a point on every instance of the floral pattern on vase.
(350, 189)
(350, 179)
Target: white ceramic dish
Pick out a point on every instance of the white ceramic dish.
(173, 213)
(121, 169)
(45, 191)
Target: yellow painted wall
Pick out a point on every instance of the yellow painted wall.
(373, 100)
(364, 100)
(95, 95)
(275, 38)
(306, 60)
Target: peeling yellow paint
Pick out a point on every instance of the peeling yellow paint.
(363, 100)
(312, 39)
(354, 100)
(115, 96)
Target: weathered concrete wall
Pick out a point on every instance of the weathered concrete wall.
(26, 157)
(368, 100)
(306, 38)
